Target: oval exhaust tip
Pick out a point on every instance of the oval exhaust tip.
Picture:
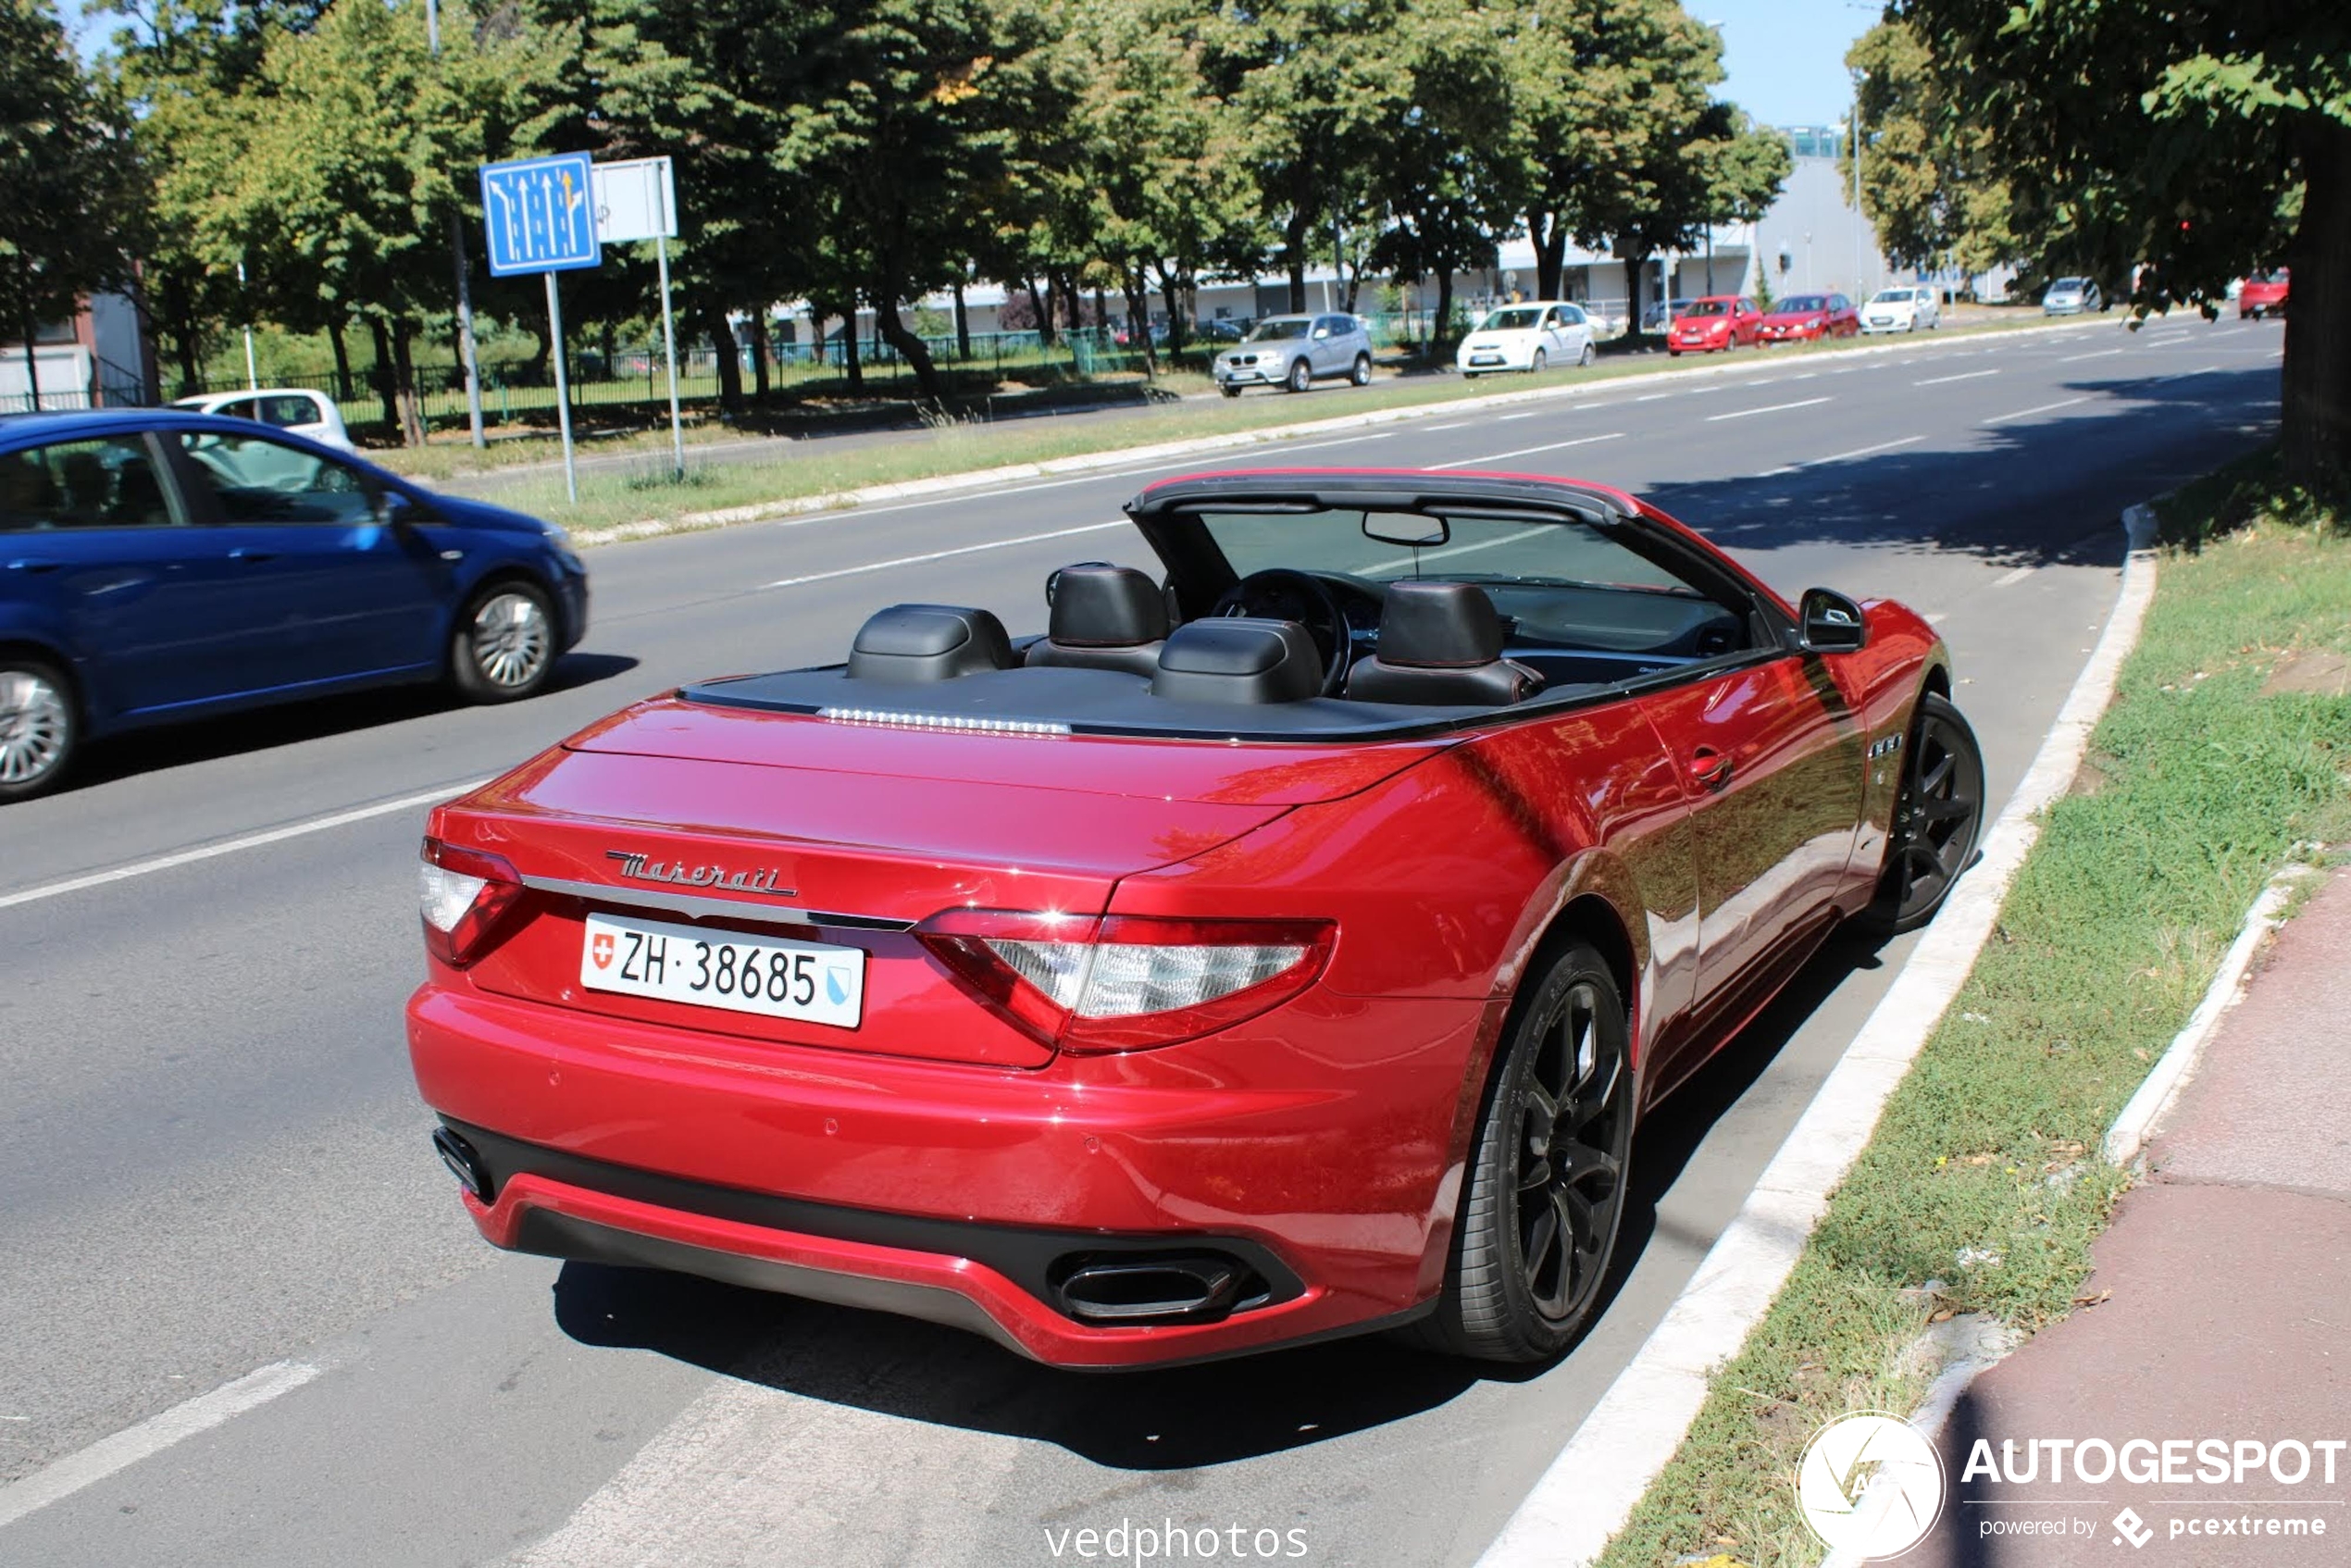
(462, 1163)
(1151, 1290)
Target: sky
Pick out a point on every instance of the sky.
(1786, 57)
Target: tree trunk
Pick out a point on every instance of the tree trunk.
(403, 369)
(1636, 268)
(730, 360)
(342, 360)
(1136, 287)
(382, 373)
(910, 345)
(2315, 415)
(1294, 259)
(759, 355)
(963, 324)
(184, 343)
(852, 364)
(1044, 317)
(1171, 293)
(1440, 330)
(1551, 260)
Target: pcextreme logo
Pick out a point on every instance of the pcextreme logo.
(1870, 1485)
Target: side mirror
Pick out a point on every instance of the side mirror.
(1321, 332)
(1830, 622)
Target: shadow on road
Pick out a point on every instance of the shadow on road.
(176, 745)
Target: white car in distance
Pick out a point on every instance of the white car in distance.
(297, 410)
(1902, 311)
(1534, 336)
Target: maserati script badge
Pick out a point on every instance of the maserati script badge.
(636, 865)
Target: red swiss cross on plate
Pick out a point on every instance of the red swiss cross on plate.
(601, 950)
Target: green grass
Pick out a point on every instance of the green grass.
(628, 496)
(2197, 789)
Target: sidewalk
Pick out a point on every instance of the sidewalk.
(2229, 1316)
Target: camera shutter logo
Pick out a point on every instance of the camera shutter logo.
(1870, 1485)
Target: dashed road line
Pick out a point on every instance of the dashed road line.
(930, 555)
(1963, 376)
(2028, 413)
(1767, 408)
(1529, 450)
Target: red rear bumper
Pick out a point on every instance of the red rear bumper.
(1329, 1134)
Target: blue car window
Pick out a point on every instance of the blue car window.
(107, 483)
(259, 480)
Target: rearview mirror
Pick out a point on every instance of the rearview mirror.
(1830, 622)
(1413, 532)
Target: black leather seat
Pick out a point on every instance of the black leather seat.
(1103, 617)
(925, 642)
(1440, 645)
(1239, 659)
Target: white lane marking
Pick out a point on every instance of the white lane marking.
(1767, 408)
(1963, 376)
(1936, 617)
(2094, 354)
(1528, 451)
(2040, 408)
(150, 1436)
(230, 846)
(1599, 1477)
(943, 554)
(1456, 424)
(1528, 415)
(2015, 574)
(1652, 397)
(1860, 452)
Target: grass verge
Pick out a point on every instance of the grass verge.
(646, 490)
(1982, 1176)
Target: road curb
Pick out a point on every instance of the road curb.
(1092, 462)
(2160, 1089)
(1596, 1480)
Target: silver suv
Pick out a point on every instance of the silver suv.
(1294, 351)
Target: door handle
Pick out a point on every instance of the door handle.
(243, 553)
(1710, 767)
(33, 564)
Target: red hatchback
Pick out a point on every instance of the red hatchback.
(2262, 295)
(1717, 321)
(1807, 316)
(1284, 948)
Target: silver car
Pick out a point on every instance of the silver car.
(1294, 351)
(2071, 296)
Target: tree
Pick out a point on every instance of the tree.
(68, 181)
(1930, 185)
(2195, 141)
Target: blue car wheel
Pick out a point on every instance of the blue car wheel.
(504, 646)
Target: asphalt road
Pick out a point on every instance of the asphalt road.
(213, 1161)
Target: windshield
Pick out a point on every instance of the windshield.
(1517, 318)
(1707, 308)
(2066, 286)
(1490, 550)
(1892, 296)
(1801, 305)
(1279, 327)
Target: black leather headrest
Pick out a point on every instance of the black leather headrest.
(929, 642)
(1098, 606)
(1239, 659)
(1438, 626)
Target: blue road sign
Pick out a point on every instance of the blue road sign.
(541, 214)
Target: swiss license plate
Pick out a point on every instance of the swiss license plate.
(813, 982)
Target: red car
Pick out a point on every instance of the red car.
(1806, 317)
(2262, 295)
(1283, 950)
(1717, 321)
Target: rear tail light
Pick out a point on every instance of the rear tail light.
(1121, 982)
(464, 895)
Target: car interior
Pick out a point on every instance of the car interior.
(1283, 649)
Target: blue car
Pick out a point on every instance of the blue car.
(157, 566)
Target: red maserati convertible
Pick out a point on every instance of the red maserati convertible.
(1283, 945)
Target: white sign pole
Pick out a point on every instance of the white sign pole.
(670, 352)
(562, 388)
(636, 199)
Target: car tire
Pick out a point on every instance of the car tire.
(1938, 817)
(1469, 375)
(1541, 363)
(1230, 391)
(1361, 374)
(1547, 1176)
(503, 647)
(40, 729)
(1583, 360)
(1302, 376)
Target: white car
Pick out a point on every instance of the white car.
(294, 409)
(1902, 311)
(1534, 336)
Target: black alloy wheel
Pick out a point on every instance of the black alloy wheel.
(1547, 1179)
(1937, 817)
(1302, 376)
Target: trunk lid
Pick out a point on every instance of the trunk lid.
(847, 834)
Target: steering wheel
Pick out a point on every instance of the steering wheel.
(1280, 593)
